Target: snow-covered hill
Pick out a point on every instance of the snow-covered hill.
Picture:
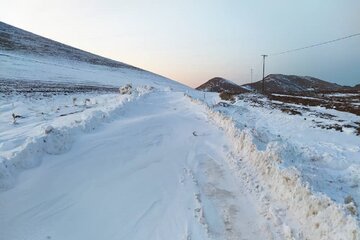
(25, 56)
(279, 83)
(219, 84)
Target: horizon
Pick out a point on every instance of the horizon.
(198, 50)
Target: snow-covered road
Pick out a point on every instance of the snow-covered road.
(157, 171)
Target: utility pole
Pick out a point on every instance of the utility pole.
(263, 80)
(251, 75)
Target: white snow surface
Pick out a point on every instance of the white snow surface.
(293, 96)
(45, 121)
(156, 169)
(281, 174)
(327, 159)
(27, 67)
(159, 165)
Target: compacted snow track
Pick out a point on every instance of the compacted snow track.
(158, 171)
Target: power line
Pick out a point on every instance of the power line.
(298, 49)
(314, 45)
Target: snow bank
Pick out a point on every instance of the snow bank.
(282, 189)
(58, 136)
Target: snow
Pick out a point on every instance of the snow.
(48, 125)
(303, 97)
(141, 175)
(327, 159)
(342, 94)
(315, 163)
(158, 164)
(247, 87)
(15, 66)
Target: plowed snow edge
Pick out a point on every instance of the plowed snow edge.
(315, 214)
(58, 140)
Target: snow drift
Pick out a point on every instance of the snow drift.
(317, 216)
(57, 136)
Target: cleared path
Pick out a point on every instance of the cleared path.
(157, 172)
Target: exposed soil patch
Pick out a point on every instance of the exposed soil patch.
(227, 96)
(345, 102)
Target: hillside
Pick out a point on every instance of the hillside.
(17, 40)
(279, 83)
(219, 84)
(30, 57)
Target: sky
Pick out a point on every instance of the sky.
(191, 41)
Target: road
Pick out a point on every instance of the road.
(157, 171)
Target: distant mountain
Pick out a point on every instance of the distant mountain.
(25, 56)
(279, 83)
(219, 84)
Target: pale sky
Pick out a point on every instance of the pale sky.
(193, 41)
